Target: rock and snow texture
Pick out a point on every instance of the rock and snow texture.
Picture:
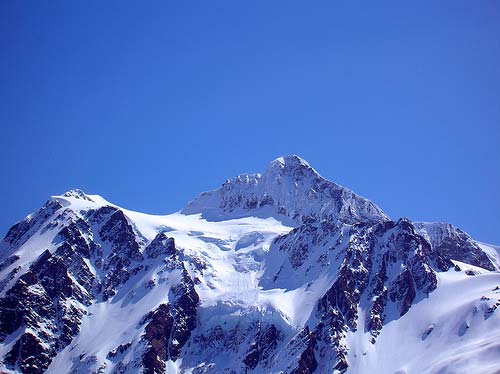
(289, 190)
(280, 272)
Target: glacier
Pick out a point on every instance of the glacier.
(279, 272)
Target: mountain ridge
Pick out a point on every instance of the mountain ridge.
(324, 286)
(292, 188)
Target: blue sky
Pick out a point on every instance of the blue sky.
(150, 103)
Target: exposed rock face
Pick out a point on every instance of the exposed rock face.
(289, 188)
(19, 233)
(448, 242)
(171, 324)
(239, 296)
(263, 346)
(382, 267)
(121, 257)
(158, 333)
(49, 299)
(307, 363)
(160, 246)
(47, 302)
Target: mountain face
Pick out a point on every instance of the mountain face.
(290, 190)
(279, 272)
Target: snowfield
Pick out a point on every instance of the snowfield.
(280, 272)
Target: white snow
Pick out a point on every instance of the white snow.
(406, 345)
(233, 250)
(492, 251)
(451, 328)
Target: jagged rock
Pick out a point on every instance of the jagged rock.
(9, 261)
(17, 234)
(450, 243)
(29, 354)
(157, 335)
(264, 344)
(119, 350)
(170, 325)
(161, 245)
(168, 330)
(291, 188)
(219, 299)
(307, 362)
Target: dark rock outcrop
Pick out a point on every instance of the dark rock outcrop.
(161, 245)
(307, 363)
(344, 254)
(263, 346)
(171, 324)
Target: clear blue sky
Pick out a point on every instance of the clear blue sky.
(150, 103)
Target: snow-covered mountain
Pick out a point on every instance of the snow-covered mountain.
(279, 272)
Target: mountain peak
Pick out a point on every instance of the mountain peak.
(334, 287)
(78, 199)
(291, 164)
(289, 188)
(77, 194)
(290, 161)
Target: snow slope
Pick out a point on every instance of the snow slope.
(453, 331)
(280, 272)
